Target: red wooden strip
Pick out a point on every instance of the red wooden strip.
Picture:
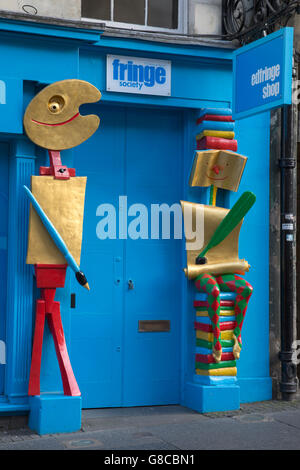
(204, 303)
(227, 303)
(47, 171)
(56, 168)
(35, 368)
(214, 117)
(50, 276)
(217, 143)
(226, 325)
(209, 359)
(70, 385)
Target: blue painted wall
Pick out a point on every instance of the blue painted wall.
(201, 77)
(196, 83)
(253, 138)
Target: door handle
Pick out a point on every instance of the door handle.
(130, 284)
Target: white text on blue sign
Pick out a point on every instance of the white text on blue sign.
(266, 75)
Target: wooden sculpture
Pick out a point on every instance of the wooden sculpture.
(52, 121)
(223, 297)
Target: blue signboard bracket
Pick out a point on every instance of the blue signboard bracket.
(262, 74)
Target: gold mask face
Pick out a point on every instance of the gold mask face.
(52, 118)
(220, 168)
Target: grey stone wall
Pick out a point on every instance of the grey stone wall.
(63, 9)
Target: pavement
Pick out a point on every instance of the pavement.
(258, 426)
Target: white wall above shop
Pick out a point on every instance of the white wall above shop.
(63, 9)
(205, 17)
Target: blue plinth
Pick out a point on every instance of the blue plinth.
(54, 413)
(212, 398)
(207, 394)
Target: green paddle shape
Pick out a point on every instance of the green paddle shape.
(234, 216)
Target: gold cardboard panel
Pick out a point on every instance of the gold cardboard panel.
(231, 166)
(224, 257)
(63, 203)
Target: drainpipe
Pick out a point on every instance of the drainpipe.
(287, 163)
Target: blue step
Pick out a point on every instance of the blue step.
(215, 112)
(223, 296)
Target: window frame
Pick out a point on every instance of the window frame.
(182, 20)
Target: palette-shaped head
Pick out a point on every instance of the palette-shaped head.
(52, 118)
(220, 168)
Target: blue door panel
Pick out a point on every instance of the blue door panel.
(154, 156)
(96, 320)
(134, 153)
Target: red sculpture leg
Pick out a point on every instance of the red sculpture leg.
(69, 382)
(35, 369)
(48, 278)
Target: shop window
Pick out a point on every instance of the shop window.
(129, 11)
(164, 15)
(98, 9)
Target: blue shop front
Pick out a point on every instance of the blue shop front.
(140, 157)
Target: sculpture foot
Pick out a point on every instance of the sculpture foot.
(217, 355)
(236, 348)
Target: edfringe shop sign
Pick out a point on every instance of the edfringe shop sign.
(262, 74)
(138, 75)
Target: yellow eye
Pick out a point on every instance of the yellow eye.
(56, 104)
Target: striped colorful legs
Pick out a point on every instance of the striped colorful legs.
(208, 284)
(212, 286)
(234, 283)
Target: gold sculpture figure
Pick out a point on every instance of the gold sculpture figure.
(217, 169)
(52, 121)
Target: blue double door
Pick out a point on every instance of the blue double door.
(134, 161)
